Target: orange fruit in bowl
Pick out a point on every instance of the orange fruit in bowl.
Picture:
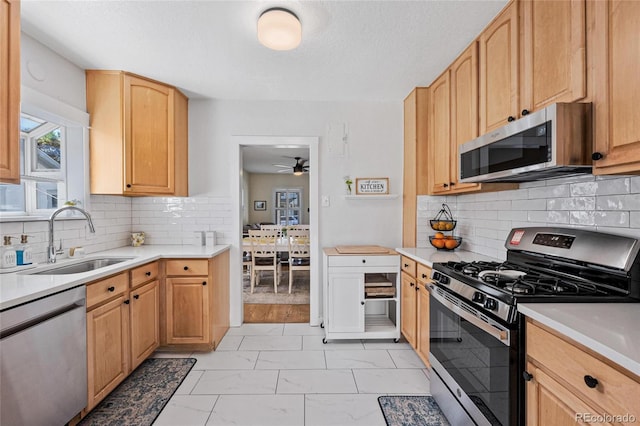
(439, 235)
(438, 242)
(451, 244)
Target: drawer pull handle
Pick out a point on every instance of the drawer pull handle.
(527, 376)
(592, 382)
(186, 268)
(204, 283)
(136, 296)
(111, 288)
(148, 273)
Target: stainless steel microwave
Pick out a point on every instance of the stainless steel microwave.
(553, 142)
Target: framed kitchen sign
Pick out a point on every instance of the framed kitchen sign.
(372, 186)
(259, 205)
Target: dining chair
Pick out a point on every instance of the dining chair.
(298, 227)
(277, 229)
(264, 257)
(299, 253)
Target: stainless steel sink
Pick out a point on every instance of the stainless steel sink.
(79, 267)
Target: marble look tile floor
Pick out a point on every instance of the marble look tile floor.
(282, 374)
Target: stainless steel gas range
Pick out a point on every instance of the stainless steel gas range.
(477, 349)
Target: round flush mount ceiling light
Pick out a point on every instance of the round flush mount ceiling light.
(279, 29)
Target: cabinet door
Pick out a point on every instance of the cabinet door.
(554, 46)
(107, 348)
(617, 61)
(345, 302)
(10, 91)
(408, 308)
(440, 126)
(550, 403)
(464, 109)
(145, 321)
(499, 70)
(422, 337)
(149, 136)
(187, 310)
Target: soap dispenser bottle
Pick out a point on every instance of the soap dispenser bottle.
(8, 254)
(24, 254)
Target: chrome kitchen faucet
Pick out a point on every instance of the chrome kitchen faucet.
(51, 252)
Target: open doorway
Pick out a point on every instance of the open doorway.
(276, 285)
(278, 188)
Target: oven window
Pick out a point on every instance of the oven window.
(478, 362)
(527, 148)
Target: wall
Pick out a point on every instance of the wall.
(607, 204)
(261, 187)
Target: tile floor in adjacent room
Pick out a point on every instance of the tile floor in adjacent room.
(282, 374)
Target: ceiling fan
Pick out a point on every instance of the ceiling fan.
(298, 169)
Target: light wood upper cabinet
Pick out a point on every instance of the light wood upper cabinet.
(9, 91)
(440, 135)
(499, 70)
(138, 135)
(553, 52)
(464, 109)
(617, 62)
(416, 165)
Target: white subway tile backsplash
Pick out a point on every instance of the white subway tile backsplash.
(606, 203)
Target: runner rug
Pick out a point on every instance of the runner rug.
(411, 411)
(140, 398)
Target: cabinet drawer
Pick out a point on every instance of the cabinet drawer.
(392, 261)
(408, 266)
(187, 267)
(424, 273)
(99, 291)
(615, 391)
(144, 273)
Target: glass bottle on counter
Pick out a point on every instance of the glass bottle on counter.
(8, 259)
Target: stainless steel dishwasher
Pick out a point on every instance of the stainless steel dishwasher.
(43, 354)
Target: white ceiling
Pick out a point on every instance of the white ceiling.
(351, 50)
(261, 159)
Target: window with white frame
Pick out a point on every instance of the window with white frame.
(288, 206)
(53, 158)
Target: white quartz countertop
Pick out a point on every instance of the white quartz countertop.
(429, 256)
(19, 287)
(609, 329)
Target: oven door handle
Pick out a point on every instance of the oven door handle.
(502, 335)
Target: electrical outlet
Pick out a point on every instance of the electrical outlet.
(325, 201)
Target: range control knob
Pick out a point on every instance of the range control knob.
(491, 304)
(477, 297)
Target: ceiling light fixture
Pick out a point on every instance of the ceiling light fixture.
(279, 29)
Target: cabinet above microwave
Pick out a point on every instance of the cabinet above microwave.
(553, 142)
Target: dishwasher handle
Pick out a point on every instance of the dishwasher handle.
(32, 322)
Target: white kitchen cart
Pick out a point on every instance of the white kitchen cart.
(361, 293)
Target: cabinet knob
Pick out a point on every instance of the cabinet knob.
(452, 184)
(362, 303)
(364, 260)
(417, 288)
(136, 296)
(592, 382)
(511, 118)
(406, 265)
(128, 185)
(424, 276)
(204, 283)
(126, 302)
(111, 289)
(527, 376)
(411, 284)
(446, 185)
(186, 268)
(148, 274)
(525, 112)
(597, 156)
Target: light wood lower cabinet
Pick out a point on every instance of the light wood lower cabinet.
(187, 310)
(107, 346)
(568, 383)
(414, 308)
(145, 321)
